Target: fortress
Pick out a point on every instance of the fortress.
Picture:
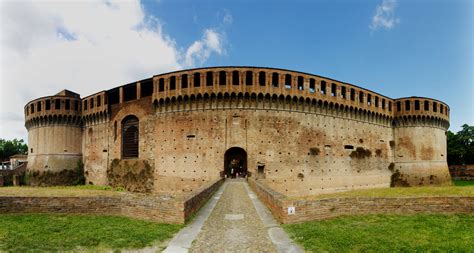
(300, 134)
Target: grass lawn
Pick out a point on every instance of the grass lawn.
(60, 191)
(42, 232)
(463, 183)
(387, 233)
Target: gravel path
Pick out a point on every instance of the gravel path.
(234, 225)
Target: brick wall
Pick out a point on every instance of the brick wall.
(462, 172)
(160, 208)
(306, 210)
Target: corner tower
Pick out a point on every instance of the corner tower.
(54, 139)
(419, 127)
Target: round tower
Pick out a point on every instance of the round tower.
(420, 126)
(54, 139)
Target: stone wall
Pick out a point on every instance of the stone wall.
(307, 210)
(462, 172)
(159, 208)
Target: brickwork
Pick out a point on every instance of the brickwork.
(305, 134)
(159, 208)
(307, 210)
(462, 172)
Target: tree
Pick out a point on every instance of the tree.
(12, 147)
(461, 146)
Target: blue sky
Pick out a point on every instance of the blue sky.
(398, 48)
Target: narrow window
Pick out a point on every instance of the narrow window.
(261, 78)
(348, 147)
(39, 106)
(209, 78)
(323, 87)
(222, 78)
(376, 101)
(57, 104)
(333, 90)
(288, 81)
(197, 79)
(235, 77)
(85, 105)
(130, 92)
(76, 105)
(300, 83)
(312, 85)
(161, 84)
(399, 106)
(435, 107)
(98, 101)
(91, 101)
(248, 78)
(417, 105)
(114, 96)
(184, 81)
(47, 106)
(343, 92)
(389, 106)
(32, 108)
(353, 94)
(275, 78)
(361, 97)
(383, 103)
(67, 103)
(407, 105)
(441, 108)
(115, 130)
(172, 83)
(130, 137)
(427, 105)
(146, 89)
(369, 99)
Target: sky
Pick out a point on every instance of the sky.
(398, 48)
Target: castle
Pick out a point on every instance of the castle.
(300, 133)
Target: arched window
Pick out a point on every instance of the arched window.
(235, 77)
(261, 78)
(130, 137)
(248, 78)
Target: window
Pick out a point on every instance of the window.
(235, 77)
(209, 78)
(383, 103)
(353, 94)
(427, 105)
(261, 78)
(376, 101)
(288, 81)
(343, 92)
(114, 97)
(67, 104)
(435, 107)
(275, 78)
(361, 97)
(173, 83)
(91, 101)
(333, 90)
(39, 106)
(312, 85)
(323, 87)
(197, 80)
(300, 83)
(441, 108)
(161, 84)
(32, 108)
(389, 106)
(248, 78)
(85, 105)
(130, 137)
(399, 106)
(222, 78)
(184, 81)
(407, 105)
(47, 106)
(417, 104)
(130, 92)
(146, 89)
(57, 104)
(369, 99)
(76, 105)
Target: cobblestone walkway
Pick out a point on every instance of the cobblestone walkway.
(234, 225)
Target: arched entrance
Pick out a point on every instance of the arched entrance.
(235, 162)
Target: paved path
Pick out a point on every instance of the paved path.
(239, 222)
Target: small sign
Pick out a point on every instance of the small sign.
(291, 210)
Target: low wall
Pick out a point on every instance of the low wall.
(306, 210)
(159, 208)
(462, 172)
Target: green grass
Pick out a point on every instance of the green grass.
(41, 232)
(60, 191)
(387, 233)
(463, 183)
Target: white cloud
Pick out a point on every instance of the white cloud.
(84, 46)
(384, 16)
